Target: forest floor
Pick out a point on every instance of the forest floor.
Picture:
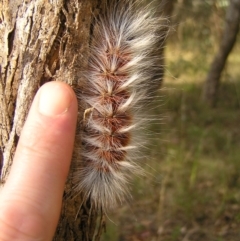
(192, 192)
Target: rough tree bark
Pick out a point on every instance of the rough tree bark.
(43, 41)
(229, 37)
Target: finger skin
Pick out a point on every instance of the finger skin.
(30, 201)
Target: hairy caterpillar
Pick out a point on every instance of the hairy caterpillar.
(122, 68)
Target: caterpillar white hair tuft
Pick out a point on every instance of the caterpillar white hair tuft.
(122, 68)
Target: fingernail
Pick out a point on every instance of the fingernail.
(54, 99)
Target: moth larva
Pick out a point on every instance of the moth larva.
(122, 66)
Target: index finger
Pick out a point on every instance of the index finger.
(31, 199)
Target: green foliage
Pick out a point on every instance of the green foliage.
(196, 169)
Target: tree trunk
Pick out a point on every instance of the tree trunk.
(42, 41)
(165, 8)
(229, 37)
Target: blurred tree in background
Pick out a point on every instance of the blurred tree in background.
(215, 24)
(229, 37)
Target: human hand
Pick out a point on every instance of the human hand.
(30, 201)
